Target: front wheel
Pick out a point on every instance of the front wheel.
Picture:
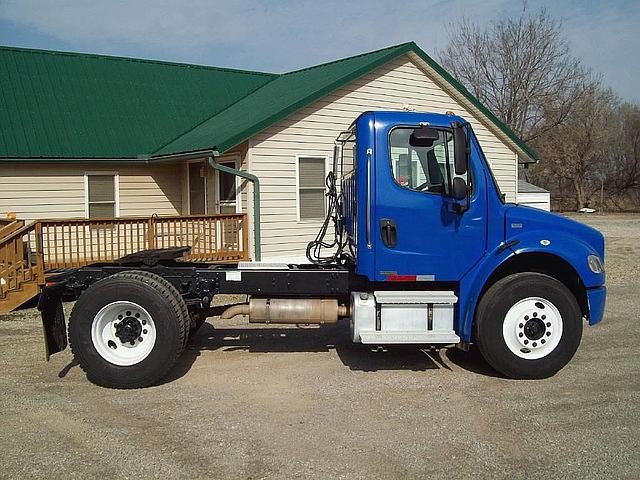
(528, 325)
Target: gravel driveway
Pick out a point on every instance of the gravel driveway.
(282, 403)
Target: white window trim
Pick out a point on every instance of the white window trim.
(206, 199)
(235, 158)
(327, 166)
(116, 187)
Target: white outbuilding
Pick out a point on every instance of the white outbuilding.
(533, 196)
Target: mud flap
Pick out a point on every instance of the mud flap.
(54, 326)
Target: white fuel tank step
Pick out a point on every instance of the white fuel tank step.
(403, 317)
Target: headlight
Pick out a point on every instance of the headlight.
(595, 264)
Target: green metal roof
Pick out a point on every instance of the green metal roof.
(68, 105)
(276, 100)
(63, 105)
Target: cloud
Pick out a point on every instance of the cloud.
(284, 35)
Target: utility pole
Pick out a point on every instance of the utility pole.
(601, 194)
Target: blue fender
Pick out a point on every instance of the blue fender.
(471, 286)
(571, 249)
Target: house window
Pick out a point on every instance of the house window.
(311, 188)
(101, 195)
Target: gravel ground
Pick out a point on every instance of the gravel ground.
(283, 403)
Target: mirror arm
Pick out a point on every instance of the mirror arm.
(460, 208)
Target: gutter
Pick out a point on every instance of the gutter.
(210, 155)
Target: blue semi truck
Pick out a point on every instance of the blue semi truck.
(418, 247)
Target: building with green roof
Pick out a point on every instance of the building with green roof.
(92, 136)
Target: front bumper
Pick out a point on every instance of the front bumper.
(596, 299)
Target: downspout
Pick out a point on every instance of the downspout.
(210, 155)
(256, 198)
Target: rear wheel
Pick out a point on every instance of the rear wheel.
(528, 325)
(127, 330)
(171, 291)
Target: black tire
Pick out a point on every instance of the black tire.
(169, 314)
(491, 315)
(184, 311)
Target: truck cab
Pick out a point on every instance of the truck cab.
(422, 209)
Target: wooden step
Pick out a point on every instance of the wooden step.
(14, 298)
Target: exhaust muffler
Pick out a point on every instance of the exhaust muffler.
(289, 310)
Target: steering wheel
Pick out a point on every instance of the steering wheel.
(422, 185)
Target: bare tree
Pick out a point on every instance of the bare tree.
(580, 153)
(625, 158)
(521, 68)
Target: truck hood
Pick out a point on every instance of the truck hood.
(521, 220)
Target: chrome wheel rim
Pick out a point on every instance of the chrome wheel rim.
(123, 333)
(532, 328)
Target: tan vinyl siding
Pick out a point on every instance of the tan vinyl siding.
(51, 191)
(312, 130)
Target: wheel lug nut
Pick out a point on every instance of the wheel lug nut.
(526, 342)
(520, 334)
(526, 317)
(548, 324)
(542, 341)
(521, 325)
(535, 314)
(139, 339)
(119, 317)
(144, 322)
(128, 314)
(534, 344)
(144, 331)
(543, 317)
(548, 334)
(137, 315)
(132, 342)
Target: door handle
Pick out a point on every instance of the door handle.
(389, 232)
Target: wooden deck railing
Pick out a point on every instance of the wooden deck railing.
(16, 265)
(27, 252)
(73, 243)
(7, 227)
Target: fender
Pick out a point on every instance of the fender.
(573, 250)
(471, 286)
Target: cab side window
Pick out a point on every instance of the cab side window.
(423, 169)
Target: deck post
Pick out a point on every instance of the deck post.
(151, 233)
(39, 255)
(245, 236)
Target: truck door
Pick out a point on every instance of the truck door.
(416, 228)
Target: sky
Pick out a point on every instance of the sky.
(279, 36)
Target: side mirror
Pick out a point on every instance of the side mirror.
(459, 188)
(461, 149)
